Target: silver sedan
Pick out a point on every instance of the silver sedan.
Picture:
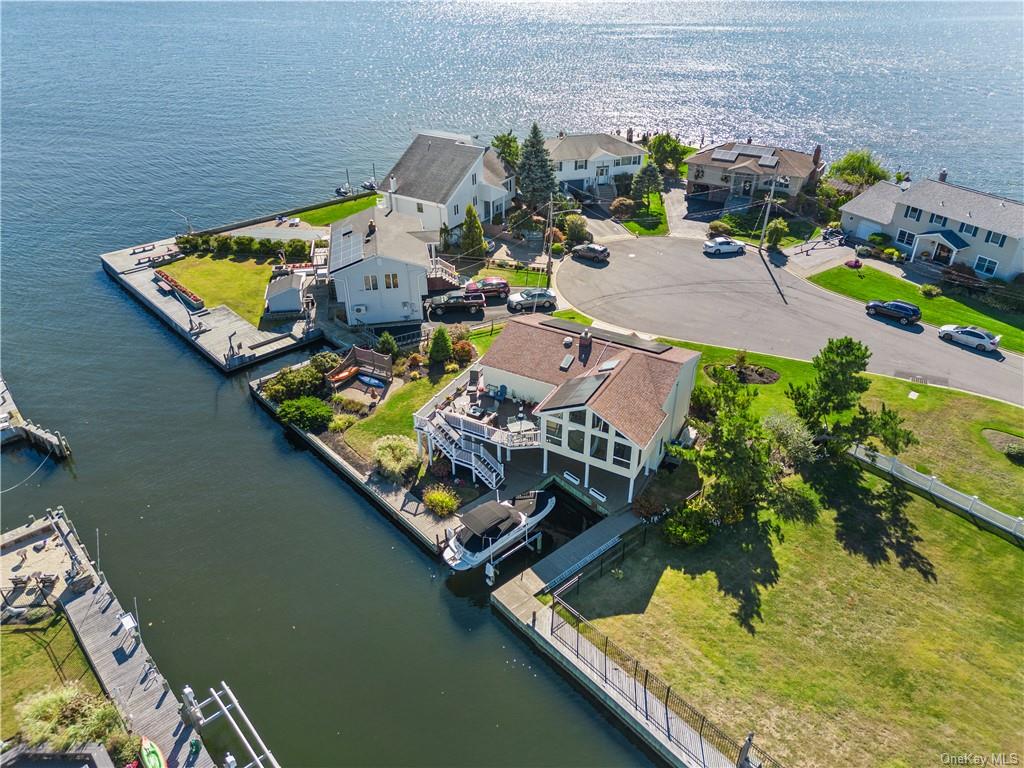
(719, 245)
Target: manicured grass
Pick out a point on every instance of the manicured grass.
(747, 227)
(948, 424)
(646, 222)
(529, 278)
(320, 217)
(868, 283)
(483, 338)
(885, 627)
(572, 314)
(238, 284)
(27, 666)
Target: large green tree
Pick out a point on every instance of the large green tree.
(508, 147)
(647, 182)
(775, 231)
(472, 240)
(665, 150)
(536, 177)
(440, 346)
(859, 167)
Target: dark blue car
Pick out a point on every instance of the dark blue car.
(903, 311)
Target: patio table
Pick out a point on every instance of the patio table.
(523, 425)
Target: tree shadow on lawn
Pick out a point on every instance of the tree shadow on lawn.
(871, 523)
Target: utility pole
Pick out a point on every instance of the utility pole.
(767, 212)
(547, 229)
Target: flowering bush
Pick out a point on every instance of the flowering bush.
(451, 368)
(198, 302)
(441, 500)
(463, 352)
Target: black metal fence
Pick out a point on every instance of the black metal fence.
(646, 692)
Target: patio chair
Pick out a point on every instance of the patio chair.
(501, 394)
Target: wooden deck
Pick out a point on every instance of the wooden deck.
(126, 671)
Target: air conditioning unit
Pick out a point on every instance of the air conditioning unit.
(359, 309)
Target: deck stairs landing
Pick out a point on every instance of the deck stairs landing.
(442, 275)
(464, 453)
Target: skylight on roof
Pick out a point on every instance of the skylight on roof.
(608, 365)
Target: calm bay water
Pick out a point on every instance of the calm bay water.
(251, 561)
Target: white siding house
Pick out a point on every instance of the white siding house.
(440, 174)
(379, 271)
(942, 223)
(588, 160)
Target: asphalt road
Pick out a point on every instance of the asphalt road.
(665, 285)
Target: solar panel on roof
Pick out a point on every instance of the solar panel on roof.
(768, 162)
(724, 155)
(575, 392)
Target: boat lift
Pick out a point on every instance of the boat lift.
(193, 710)
(491, 566)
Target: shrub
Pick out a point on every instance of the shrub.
(123, 747)
(306, 413)
(930, 291)
(776, 230)
(441, 468)
(690, 525)
(265, 247)
(325, 361)
(441, 500)
(793, 439)
(555, 235)
(348, 404)
(440, 345)
(221, 244)
(399, 368)
(394, 456)
(702, 403)
(342, 421)
(67, 716)
(387, 345)
(244, 245)
(186, 243)
(458, 332)
(463, 352)
(557, 249)
(1015, 452)
(415, 376)
(296, 251)
(294, 382)
(834, 225)
(622, 207)
(451, 367)
(576, 228)
(415, 360)
(719, 228)
(880, 239)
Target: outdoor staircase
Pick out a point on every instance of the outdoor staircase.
(464, 453)
(442, 274)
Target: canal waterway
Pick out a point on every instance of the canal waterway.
(251, 561)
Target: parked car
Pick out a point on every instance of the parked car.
(532, 297)
(454, 300)
(489, 286)
(903, 311)
(719, 245)
(591, 251)
(970, 336)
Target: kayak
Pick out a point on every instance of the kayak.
(151, 755)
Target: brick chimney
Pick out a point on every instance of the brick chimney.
(816, 157)
(942, 175)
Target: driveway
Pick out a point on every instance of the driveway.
(665, 285)
(680, 221)
(603, 227)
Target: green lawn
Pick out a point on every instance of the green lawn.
(948, 423)
(27, 666)
(868, 283)
(238, 284)
(516, 277)
(746, 226)
(886, 626)
(649, 222)
(320, 217)
(572, 314)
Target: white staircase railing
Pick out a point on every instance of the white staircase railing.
(441, 268)
(462, 452)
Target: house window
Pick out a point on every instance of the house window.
(391, 280)
(575, 441)
(597, 423)
(419, 207)
(968, 229)
(617, 162)
(599, 448)
(622, 454)
(474, 201)
(912, 213)
(581, 165)
(473, 182)
(637, 159)
(986, 266)
(455, 210)
(558, 166)
(937, 219)
(370, 283)
(698, 173)
(508, 185)
(905, 238)
(554, 433)
(578, 417)
(995, 238)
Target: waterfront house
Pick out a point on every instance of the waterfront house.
(285, 293)
(591, 408)
(378, 267)
(933, 220)
(734, 172)
(591, 161)
(441, 173)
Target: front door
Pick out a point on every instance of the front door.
(602, 174)
(943, 254)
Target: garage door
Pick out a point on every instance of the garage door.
(866, 228)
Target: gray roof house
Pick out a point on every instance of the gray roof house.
(590, 161)
(940, 223)
(440, 174)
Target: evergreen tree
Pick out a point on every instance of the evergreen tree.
(472, 241)
(440, 346)
(536, 176)
(508, 147)
(646, 183)
(387, 345)
(775, 231)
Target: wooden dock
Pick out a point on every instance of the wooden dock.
(124, 667)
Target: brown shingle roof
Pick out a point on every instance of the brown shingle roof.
(791, 162)
(631, 399)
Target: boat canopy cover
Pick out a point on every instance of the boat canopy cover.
(484, 517)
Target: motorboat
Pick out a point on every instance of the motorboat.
(343, 191)
(490, 528)
(370, 185)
